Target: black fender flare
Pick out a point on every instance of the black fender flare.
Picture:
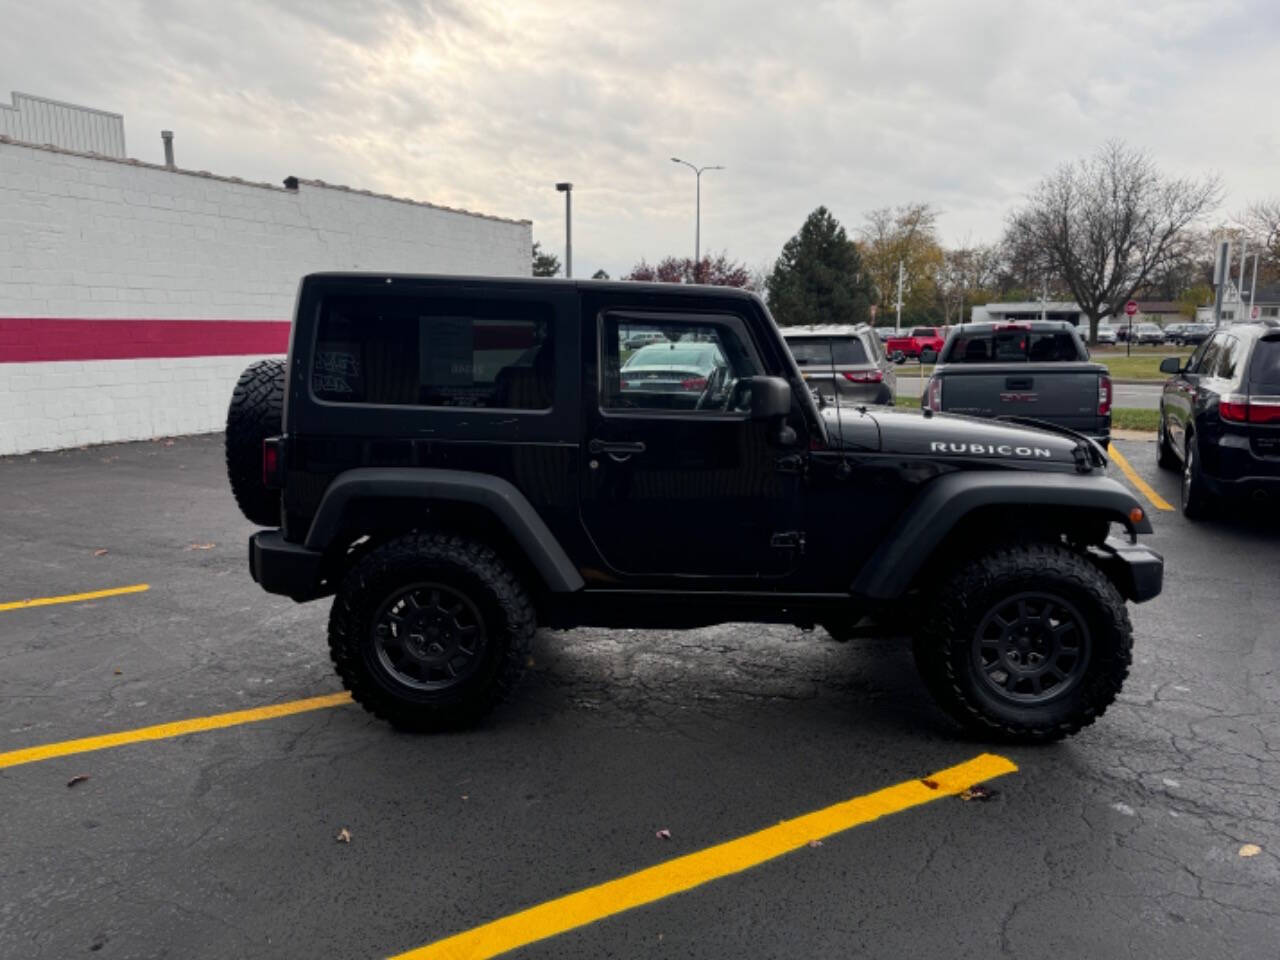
(501, 498)
(946, 500)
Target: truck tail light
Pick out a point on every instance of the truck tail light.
(935, 394)
(1238, 408)
(866, 376)
(273, 463)
(1104, 396)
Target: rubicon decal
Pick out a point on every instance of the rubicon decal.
(990, 449)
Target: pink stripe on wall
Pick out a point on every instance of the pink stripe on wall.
(34, 339)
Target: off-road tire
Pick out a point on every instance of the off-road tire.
(1197, 501)
(467, 566)
(255, 413)
(943, 644)
(1165, 457)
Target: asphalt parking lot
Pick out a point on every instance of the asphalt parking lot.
(1124, 841)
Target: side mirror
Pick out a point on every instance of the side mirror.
(770, 398)
(1171, 365)
(928, 355)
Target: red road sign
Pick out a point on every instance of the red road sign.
(1131, 308)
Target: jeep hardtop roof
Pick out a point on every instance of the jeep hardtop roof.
(631, 287)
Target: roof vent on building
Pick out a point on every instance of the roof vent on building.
(167, 137)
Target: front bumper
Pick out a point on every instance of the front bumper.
(288, 569)
(1137, 572)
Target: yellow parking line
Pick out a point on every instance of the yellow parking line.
(684, 873)
(75, 597)
(1157, 501)
(163, 731)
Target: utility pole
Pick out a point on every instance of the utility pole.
(1221, 276)
(1044, 295)
(1253, 287)
(567, 190)
(897, 323)
(697, 215)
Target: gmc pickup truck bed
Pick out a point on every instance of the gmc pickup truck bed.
(1036, 370)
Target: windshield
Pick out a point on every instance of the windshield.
(822, 350)
(672, 356)
(1003, 346)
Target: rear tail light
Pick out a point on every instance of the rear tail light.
(869, 376)
(1104, 396)
(273, 463)
(1012, 326)
(1238, 408)
(694, 383)
(935, 394)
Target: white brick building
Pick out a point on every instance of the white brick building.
(107, 266)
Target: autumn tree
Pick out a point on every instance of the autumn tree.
(718, 271)
(819, 278)
(968, 275)
(1107, 223)
(908, 235)
(601, 274)
(544, 264)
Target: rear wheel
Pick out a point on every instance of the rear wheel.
(1028, 643)
(1197, 501)
(1165, 457)
(430, 631)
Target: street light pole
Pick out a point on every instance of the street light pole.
(697, 216)
(567, 190)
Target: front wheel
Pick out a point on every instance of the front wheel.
(1027, 643)
(430, 631)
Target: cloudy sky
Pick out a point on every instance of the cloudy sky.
(484, 104)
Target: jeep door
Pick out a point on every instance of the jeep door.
(676, 477)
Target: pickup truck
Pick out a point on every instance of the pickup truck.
(915, 344)
(1030, 370)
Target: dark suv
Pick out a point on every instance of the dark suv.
(1220, 418)
(843, 361)
(460, 460)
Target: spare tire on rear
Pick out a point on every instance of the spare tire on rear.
(255, 413)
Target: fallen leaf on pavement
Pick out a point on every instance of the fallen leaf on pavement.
(663, 834)
(101, 553)
(977, 792)
(78, 778)
(1250, 850)
(117, 672)
(931, 784)
(202, 546)
(815, 843)
(344, 836)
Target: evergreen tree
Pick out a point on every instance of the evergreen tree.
(820, 278)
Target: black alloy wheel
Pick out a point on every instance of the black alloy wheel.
(429, 636)
(1031, 648)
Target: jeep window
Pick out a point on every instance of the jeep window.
(822, 350)
(690, 367)
(434, 353)
(1013, 346)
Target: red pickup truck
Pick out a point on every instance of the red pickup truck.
(920, 339)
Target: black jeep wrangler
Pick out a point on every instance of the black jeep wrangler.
(461, 459)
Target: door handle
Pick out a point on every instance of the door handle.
(616, 446)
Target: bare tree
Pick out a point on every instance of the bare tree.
(1262, 220)
(1106, 223)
